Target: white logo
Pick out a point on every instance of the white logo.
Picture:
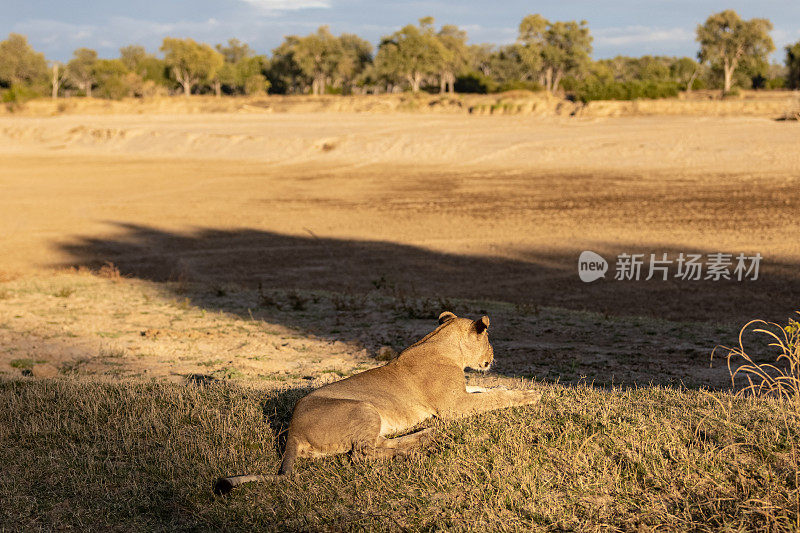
(591, 266)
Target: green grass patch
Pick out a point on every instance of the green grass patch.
(64, 292)
(25, 363)
(629, 90)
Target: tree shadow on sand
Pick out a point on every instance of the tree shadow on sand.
(328, 287)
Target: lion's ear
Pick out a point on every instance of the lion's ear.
(481, 324)
(444, 317)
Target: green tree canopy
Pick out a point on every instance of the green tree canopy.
(132, 56)
(190, 62)
(147, 66)
(726, 41)
(284, 73)
(793, 66)
(557, 48)
(20, 63)
(242, 70)
(410, 54)
(81, 69)
(235, 51)
(114, 80)
(503, 67)
(319, 55)
(319, 60)
(356, 57)
(453, 57)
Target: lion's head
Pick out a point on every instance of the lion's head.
(473, 339)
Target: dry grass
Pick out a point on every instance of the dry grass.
(136, 456)
(781, 379)
(748, 103)
(85, 323)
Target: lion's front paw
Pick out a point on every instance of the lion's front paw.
(530, 397)
(425, 435)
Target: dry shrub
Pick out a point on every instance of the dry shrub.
(781, 379)
(109, 271)
(6, 276)
(349, 301)
(791, 115)
(297, 301)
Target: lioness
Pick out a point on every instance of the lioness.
(427, 379)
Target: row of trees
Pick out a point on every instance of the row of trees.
(553, 56)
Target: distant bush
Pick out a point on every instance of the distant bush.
(733, 93)
(518, 85)
(474, 82)
(16, 95)
(256, 84)
(589, 90)
(776, 83)
(698, 84)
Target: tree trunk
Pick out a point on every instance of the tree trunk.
(442, 83)
(317, 85)
(185, 80)
(217, 88)
(548, 79)
(728, 71)
(56, 83)
(557, 80)
(88, 89)
(415, 79)
(691, 80)
(451, 81)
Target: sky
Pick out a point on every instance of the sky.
(619, 27)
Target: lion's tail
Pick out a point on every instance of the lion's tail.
(226, 484)
(289, 455)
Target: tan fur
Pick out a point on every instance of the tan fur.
(425, 380)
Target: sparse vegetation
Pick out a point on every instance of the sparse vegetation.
(780, 378)
(297, 301)
(109, 271)
(24, 364)
(584, 459)
(64, 292)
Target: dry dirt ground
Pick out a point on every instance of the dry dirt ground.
(301, 247)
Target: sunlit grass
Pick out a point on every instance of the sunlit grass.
(144, 455)
(781, 378)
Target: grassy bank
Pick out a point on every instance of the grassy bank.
(134, 456)
(590, 101)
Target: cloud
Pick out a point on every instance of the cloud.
(288, 5)
(119, 31)
(641, 34)
(782, 37)
(53, 32)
